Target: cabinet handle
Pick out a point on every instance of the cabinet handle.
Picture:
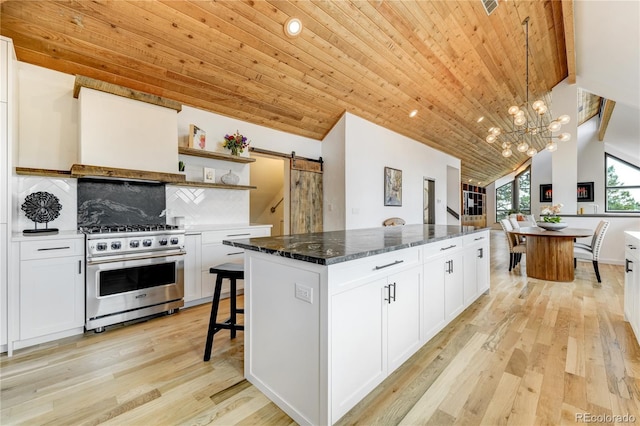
(480, 253)
(54, 248)
(394, 291)
(233, 254)
(449, 267)
(238, 235)
(388, 298)
(387, 265)
(447, 248)
(79, 267)
(627, 262)
(632, 247)
(479, 238)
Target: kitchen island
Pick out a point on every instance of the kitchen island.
(330, 315)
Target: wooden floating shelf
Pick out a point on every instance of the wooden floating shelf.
(43, 172)
(213, 185)
(84, 170)
(214, 155)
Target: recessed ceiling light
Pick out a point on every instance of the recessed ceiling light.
(293, 27)
(413, 113)
(480, 119)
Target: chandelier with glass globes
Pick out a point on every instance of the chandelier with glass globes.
(522, 129)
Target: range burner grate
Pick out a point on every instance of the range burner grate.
(106, 229)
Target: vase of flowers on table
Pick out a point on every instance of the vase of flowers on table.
(549, 218)
(236, 143)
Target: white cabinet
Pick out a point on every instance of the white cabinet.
(402, 296)
(192, 262)
(205, 250)
(476, 266)
(383, 334)
(443, 272)
(7, 142)
(51, 289)
(357, 334)
(632, 282)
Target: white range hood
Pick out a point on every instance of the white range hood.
(117, 132)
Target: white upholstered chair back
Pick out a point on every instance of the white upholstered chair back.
(598, 237)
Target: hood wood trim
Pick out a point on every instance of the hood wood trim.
(125, 92)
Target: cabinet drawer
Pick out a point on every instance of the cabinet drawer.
(441, 247)
(475, 238)
(215, 254)
(382, 264)
(234, 234)
(45, 249)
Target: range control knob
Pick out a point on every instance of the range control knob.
(174, 240)
(134, 243)
(163, 241)
(146, 243)
(101, 246)
(116, 245)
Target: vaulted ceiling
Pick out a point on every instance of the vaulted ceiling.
(379, 59)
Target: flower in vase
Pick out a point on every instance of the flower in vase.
(235, 142)
(549, 213)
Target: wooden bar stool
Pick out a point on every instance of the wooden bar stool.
(232, 272)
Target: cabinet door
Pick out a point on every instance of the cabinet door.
(357, 355)
(433, 298)
(453, 285)
(403, 316)
(4, 270)
(216, 254)
(476, 271)
(51, 296)
(482, 267)
(192, 262)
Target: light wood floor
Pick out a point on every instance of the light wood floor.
(530, 352)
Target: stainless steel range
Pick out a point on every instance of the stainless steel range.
(132, 271)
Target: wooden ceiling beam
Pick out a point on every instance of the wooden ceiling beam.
(569, 39)
(607, 111)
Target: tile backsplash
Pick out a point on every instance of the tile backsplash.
(199, 206)
(64, 189)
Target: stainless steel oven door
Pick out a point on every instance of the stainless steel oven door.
(117, 291)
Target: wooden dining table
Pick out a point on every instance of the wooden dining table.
(550, 253)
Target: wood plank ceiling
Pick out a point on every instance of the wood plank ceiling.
(377, 59)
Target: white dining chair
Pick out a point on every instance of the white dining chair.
(591, 251)
(516, 249)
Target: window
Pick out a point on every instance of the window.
(504, 201)
(523, 193)
(514, 196)
(623, 185)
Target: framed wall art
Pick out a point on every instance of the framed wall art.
(197, 137)
(209, 175)
(392, 187)
(585, 192)
(546, 193)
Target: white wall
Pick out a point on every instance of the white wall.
(333, 179)
(370, 148)
(48, 118)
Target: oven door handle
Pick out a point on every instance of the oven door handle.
(144, 257)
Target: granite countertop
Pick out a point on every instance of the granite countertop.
(327, 248)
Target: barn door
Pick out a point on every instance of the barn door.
(305, 196)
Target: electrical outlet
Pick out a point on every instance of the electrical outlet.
(304, 293)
